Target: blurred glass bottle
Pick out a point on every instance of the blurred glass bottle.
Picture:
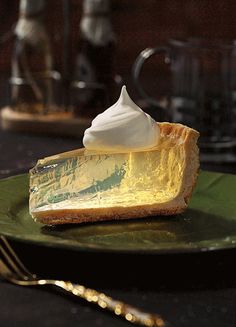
(95, 85)
(31, 83)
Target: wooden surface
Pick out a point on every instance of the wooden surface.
(58, 124)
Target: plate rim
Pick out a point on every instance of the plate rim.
(78, 248)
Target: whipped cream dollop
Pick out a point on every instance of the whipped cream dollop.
(123, 126)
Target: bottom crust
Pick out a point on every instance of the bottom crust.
(95, 215)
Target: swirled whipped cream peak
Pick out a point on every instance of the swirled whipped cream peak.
(124, 126)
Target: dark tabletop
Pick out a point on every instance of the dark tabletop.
(190, 290)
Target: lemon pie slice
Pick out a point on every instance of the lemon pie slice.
(89, 184)
(84, 186)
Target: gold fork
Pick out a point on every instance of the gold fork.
(14, 271)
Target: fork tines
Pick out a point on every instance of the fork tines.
(12, 261)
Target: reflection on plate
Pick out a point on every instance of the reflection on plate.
(208, 224)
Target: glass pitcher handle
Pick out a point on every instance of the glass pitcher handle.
(137, 67)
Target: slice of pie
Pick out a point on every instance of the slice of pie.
(86, 186)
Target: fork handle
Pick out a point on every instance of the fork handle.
(122, 309)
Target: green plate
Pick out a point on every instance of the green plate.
(208, 224)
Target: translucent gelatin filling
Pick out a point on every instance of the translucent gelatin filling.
(81, 179)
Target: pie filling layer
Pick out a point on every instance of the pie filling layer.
(81, 179)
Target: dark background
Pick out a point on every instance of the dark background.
(190, 290)
(137, 24)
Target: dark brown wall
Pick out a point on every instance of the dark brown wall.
(138, 24)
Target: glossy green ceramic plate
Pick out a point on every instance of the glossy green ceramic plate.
(208, 224)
